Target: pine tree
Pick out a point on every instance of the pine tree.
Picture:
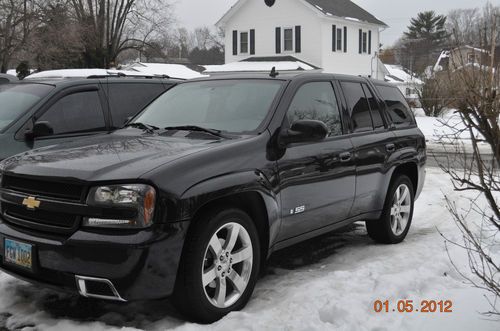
(428, 26)
(422, 42)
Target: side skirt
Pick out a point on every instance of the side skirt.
(318, 232)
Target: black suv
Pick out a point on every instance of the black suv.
(37, 113)
(213, 176)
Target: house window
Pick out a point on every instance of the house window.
(288, 39)
(339, 39)
(472, 58)
(365, 42)
(244, 42)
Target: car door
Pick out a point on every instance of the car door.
(373, 144)
(317, 180)
(76, 113)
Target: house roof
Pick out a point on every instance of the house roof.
(171, 70)
(345, 9)
(396, 74)
(263, 64)
(286, 58)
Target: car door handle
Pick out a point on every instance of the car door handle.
(345, 157)
(390, 148)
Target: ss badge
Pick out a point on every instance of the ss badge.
(298, 210)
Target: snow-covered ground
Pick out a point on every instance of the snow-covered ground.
(329, 283)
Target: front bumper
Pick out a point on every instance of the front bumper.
(141, 265)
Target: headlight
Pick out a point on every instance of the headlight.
(138, 196)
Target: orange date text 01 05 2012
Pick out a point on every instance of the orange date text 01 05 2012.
(409, 306)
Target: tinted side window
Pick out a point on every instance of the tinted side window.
(378, 122)
(358, 105)
(397, 107)
(79, 112)
(126, 100)
(316, 101)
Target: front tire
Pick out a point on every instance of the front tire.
(397, 215)
(219, 266)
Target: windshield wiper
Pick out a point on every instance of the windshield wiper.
(142, 126)
(214, 132)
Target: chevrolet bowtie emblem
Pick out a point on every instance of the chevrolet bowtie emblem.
(31, 203)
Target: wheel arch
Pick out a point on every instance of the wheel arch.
(249, 191)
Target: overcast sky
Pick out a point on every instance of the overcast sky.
(396, 13)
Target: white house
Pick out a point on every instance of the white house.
(335, 35)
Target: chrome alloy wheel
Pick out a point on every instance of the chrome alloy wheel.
(400, 210)
(227, 265)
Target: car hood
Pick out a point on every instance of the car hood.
(125, 154)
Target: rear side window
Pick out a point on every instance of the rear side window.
(378, 122)
(76, 113)
(127, 100)
(397, 108)
(358, 105)
(316, 101)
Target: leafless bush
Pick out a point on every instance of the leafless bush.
(474, 168)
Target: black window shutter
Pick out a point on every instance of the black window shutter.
(252, 42)
(298, 39)
(278, 40)
(360, 41)
(345, 39)
(369, 42)
(235, 42)
(334, 38)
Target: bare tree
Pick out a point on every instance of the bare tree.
(17, 19)
(477, 170)
(111, 26)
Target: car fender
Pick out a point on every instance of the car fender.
(215, 188)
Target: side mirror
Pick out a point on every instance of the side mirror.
(303, 131)
(40, 129)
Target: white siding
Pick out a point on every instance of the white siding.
(351, 63)
(257, 15)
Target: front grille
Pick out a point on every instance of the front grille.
(39, 219)
(37, 187)
(62, 220)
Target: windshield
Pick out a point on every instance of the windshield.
(16, 99)
(225, 105)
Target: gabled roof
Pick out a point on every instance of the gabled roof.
(345, 9)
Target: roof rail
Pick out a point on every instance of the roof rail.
(123, 75)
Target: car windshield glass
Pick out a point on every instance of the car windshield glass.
(16, 99)
(226, 105)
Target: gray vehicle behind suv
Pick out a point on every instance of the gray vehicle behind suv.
(40, 113)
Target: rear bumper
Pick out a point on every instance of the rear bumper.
(141, 265)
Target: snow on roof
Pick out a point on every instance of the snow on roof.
(12, 72)
(247, 66)
(398, 75)
(171, 70)
(71, 73)
(137, 69)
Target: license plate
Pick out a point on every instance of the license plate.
(18, 253)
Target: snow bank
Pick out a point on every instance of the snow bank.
(328, 283)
